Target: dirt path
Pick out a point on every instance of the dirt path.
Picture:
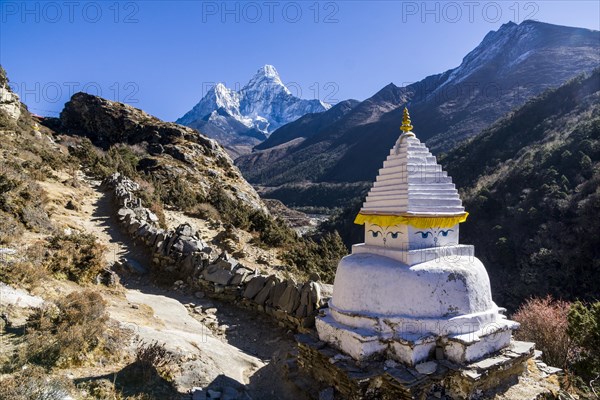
(246, 357)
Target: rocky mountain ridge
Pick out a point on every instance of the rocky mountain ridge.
(510, 66)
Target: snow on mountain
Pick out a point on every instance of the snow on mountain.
(242, 119)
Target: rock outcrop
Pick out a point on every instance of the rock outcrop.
(173, 151)
(9, 101)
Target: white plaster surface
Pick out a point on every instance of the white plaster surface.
(417, 256)
(379, 286)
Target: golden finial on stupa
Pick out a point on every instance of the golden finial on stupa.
(406, 126)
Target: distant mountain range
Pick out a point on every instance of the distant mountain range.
(348, 142)
(241, 119)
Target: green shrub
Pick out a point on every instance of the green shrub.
(584, 330)
(316, 255)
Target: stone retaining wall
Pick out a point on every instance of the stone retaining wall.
(183, 254)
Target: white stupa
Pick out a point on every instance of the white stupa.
(411, 287)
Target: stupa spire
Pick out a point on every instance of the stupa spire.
(406, 123)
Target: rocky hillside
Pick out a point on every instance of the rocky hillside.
(169, 152)
(244, 118)
(510, 66)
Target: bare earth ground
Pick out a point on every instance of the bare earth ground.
(232, 348)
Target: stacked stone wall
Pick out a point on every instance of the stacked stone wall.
(182, 254)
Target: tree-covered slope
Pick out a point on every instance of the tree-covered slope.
(531, 184)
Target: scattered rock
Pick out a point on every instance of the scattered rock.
(108, 278)
(199, 295)
(185, 230)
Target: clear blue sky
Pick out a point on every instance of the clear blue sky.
(162, 56)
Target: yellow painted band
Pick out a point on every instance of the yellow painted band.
(414, 221)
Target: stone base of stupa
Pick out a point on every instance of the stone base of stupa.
(514, 369)
(414, 347)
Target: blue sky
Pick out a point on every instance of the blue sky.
(162, 56)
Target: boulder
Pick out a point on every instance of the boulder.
(264, 295)
(192, 246)
(217, 275)
(254, 286)
(290, 300)
(240, 274)
(152, 217)
(107, 277)
(134, 226)
(315, 294)
(229, 263)
(276, 293)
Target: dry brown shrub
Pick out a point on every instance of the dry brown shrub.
(78, 257)
(544, 322)
(204, 211)
(66, 333)
(154, 359)
(34, 383)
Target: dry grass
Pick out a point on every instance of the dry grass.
(66, 333)
(34, 383)
(78, 257)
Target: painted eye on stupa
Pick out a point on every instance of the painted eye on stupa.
(424, 235)
(375, 233)
(394, 235)
(445, 233)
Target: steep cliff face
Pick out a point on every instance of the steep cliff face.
(171, 152)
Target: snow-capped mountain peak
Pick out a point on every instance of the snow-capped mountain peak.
(261, 106)
(267, 78)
